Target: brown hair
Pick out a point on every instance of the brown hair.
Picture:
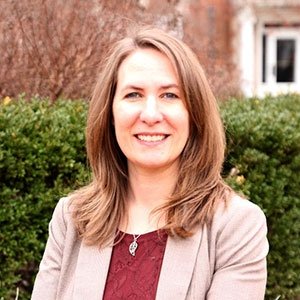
(97, 208)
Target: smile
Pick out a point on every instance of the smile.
(151, 138)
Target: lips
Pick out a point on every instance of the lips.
(151, 137)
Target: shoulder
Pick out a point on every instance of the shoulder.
(238, 211)
(62, 208)
(60, 254)
(239, 226)
(63, 204)
(237, 247)
(240, 223)
(61, 218)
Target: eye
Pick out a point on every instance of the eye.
(170, 96)
(133, 95)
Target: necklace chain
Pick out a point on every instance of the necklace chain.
(135, 237)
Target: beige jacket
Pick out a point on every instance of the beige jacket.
(224, 262)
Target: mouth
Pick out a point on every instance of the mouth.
(151, 137)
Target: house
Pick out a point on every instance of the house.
(261, 38)
(268, 46)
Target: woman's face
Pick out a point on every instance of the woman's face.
(150, 118)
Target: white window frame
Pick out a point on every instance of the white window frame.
(271, 86)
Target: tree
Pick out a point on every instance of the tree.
(53, 47)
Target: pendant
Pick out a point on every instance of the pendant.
(132, 247)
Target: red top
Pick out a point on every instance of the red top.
(135, 277)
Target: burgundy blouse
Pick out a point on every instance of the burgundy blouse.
(136, 277)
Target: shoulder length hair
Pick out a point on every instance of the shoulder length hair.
(97, 208)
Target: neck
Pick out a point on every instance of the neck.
(151, 188)
(147, 191)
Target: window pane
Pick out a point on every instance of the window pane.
(264, 51)
(285, 69)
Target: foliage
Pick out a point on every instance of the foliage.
(53, 47)
(42, 157)
(263, 162)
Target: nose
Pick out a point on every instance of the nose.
(151, 112)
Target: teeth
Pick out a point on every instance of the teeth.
(151, 138)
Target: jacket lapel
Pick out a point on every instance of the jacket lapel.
(177, 267)
(91, 271)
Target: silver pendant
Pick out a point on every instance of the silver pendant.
(132, 247)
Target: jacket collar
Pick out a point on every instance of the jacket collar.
(177, 267)
(175, 277)
(91, 272)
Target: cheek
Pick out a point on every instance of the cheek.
(118, 116)
(123, 116)
(123, 123)
(181, 120)
(183, 126)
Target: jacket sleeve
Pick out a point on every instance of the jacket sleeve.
(46, 282)
(241, 248)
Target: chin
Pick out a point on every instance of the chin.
(154, 164)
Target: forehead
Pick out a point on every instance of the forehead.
(147, 64)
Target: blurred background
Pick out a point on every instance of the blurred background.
(53, 47)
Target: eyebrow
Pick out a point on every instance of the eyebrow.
(163, 87)
(168, 86)
(131, 87)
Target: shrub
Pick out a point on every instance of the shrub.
(42, 157)
(53, 47)
(263, 162)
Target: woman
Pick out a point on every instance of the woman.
(157, 220)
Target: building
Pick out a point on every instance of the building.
(268, 46)
(261, 38)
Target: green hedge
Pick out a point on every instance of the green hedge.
(264, 162)
(42, 157)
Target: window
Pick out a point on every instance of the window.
(280, 59)
(285, 60)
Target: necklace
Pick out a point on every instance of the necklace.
(134, 245)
